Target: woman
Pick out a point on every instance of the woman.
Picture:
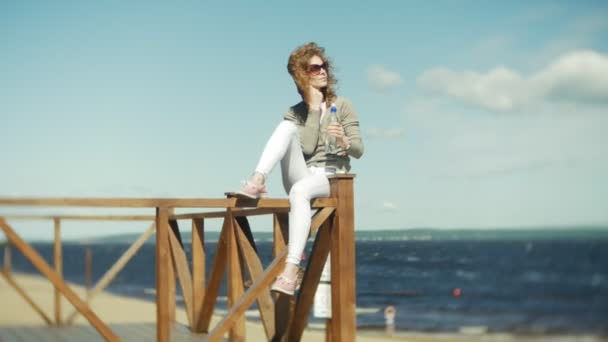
(298, 142)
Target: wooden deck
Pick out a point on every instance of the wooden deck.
(127, 332)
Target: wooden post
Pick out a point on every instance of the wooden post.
(7, 258)
(343, 289)
(235, 278)
(58, 263)
(216, 274)
(251, 260)
(88, 265)
(171, 285)
(172, 271)
(182, 270)
(198, 269)
(163, 259)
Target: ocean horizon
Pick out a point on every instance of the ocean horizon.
(529, 281)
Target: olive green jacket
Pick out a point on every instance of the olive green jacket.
(310, 129)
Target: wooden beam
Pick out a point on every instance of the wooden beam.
(42, 266)
(113, 271)
(284, 305)
(58, 263)
(163, 259)
(198, 269)
(82, 217)
(222, 213)
(160, 202)
(260, 285)
(343, 288)
(312, 275)
(319, 219)
(235, 279)
(255, 269)
(215, 282)
(183, 273)
(9, 279)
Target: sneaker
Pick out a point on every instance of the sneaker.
(284, 285)
(252, 190)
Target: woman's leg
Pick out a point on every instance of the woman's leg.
(283, 145)
(302, 192)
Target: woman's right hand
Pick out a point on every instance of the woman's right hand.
(314, 98)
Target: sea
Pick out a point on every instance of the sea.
(535, 281)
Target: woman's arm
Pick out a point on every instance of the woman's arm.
(350, 123)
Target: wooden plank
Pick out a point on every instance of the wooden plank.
(8, 335)
(36, 334)
(160, 202)
(86, 333)
(235, 279)
(58, 263)
(118, 202)
(11, 281)
(343, 292)
(198, 269)
(111, 273)
(21, 334)
(255, 269)
(312, 275)
(260, 285)
(183, 273)
(81, 217)
(162, 274)
(215, 281)
(56, 280)
(238, 212)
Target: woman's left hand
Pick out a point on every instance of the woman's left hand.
(336, 130)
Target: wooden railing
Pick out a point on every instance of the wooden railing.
(283, 317)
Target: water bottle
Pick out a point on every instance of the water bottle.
(331, 146)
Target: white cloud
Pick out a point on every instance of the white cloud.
(577, 77)
(388, 205)
(381, 79)
(383, 133)
(459, 143)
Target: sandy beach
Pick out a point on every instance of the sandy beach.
(15, 311)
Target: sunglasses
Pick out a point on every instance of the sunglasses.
(315, 69)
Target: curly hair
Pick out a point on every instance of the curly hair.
(297, 66)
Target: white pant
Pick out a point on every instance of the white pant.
(301, 183)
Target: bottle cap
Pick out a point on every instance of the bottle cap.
(333, 107)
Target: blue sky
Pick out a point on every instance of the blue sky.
(474, 114)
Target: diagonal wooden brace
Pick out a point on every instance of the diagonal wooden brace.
(57, 281)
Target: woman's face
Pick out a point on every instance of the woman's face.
(317, 71)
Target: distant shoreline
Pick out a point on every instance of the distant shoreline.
(405, 234)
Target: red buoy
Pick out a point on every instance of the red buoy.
(456, 292)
